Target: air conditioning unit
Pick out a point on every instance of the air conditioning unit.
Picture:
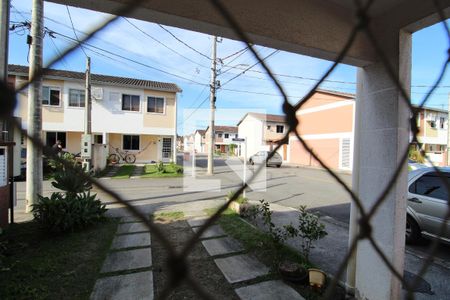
(97, 93)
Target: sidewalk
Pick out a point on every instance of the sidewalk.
(329, 252)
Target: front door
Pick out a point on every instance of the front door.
(166, 149)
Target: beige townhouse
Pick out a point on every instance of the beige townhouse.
(128, 114)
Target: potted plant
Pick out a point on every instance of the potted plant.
(293, 272)
(316, 278)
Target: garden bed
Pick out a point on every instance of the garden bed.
(36, 265)
(201, 266)
(262, 245)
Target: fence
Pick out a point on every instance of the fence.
(176, 261)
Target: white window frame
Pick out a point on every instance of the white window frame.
(130, 111)
(164, 105)
(50, 88)
(226, 135)
(56, 137)
(121, 146)
(68, 98)
(276, 129)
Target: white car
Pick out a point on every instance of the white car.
(428, 202)
(261, 157)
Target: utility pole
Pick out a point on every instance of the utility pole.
(86, 140)
(34, 152)
(4, 34)
(448, 132)
(212, 99)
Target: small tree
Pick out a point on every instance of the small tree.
(309, 229)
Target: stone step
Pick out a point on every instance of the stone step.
(127, 260)
(213, 231)
(241, 268)
(131, 240)
(268, 290)
(221, 246)
(130, 286)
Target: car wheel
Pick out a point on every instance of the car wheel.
(412, 231)
(278, 166)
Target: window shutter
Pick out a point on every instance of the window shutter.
(345, 153)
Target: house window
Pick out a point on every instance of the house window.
(131, 102)
(219, 135)
(98, 139)
(441, 123)
(227, 135)
(268, 127)
(76, 98)
(52, 136)
(130, 142)
(155, 105)
(51, 96)
(432, 124)
(280, 128)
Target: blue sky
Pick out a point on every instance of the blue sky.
(244, 93)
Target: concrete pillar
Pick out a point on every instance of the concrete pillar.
(383, 136)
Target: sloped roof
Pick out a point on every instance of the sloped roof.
(266, 117)
(201, 131)
(337, 93)
(100, 79)
(230, 129)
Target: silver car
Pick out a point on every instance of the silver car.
(261, 157)
(427, 204)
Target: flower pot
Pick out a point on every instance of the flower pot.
(316, 278)
(293, 272)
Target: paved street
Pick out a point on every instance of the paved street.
(287, 186)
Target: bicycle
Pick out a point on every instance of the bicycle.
(114, 158)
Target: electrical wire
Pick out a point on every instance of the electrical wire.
(132, 60)
(164, 45)
(187, 45)
(73, 28)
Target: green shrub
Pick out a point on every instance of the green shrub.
(160, 167)
(62, 213)
(174, 168)
(70, 181)
(416, 155)
(240, 199)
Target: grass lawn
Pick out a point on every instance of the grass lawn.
(124, 172)
(35, 265)
(151, 171)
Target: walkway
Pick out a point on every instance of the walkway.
(240, 269)
(127, 272)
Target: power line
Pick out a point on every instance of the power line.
(233, 54)
(73, 28)
(258, 62)
(179, 40)
(59, 52)
(131, 60)
(164, 45)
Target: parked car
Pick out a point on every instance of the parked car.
(427, 204)
(261, 157)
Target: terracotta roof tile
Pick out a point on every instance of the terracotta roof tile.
(100, 79)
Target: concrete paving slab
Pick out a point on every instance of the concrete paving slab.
(196, 222)
(130, 219)
(220, 246)
(124, 287)
(131, 228)
(131, 240)
(127, 260)
(241, 267)
(213, 231)
(268, 290)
